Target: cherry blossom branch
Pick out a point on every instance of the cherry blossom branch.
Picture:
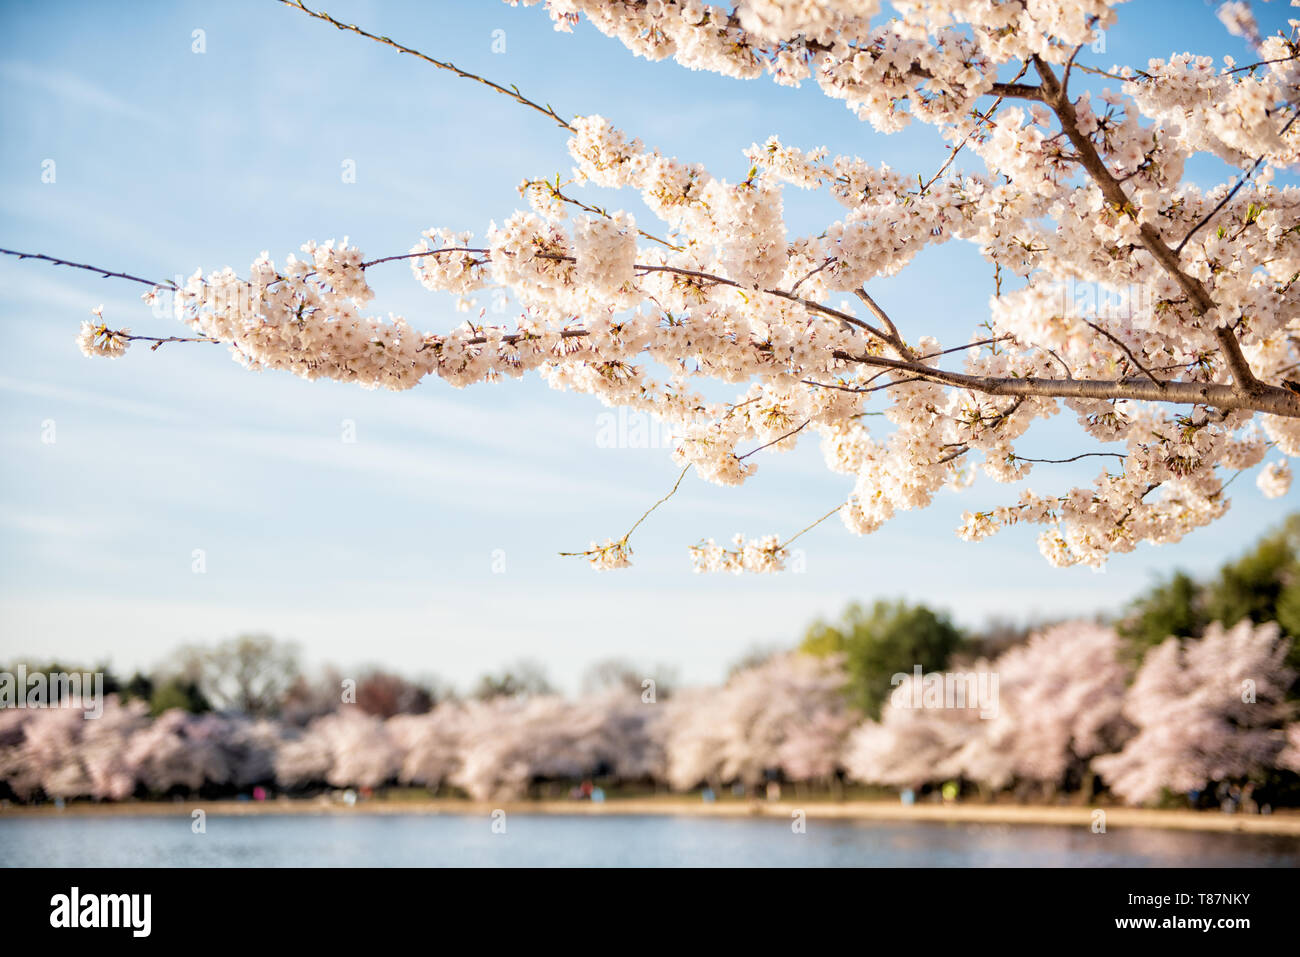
(815, 46)
(671, 493)
(724, 326)
(556, 257)
(1264, 398)
(420, 255)
(1095, 71)
(863, 387)
(644, 268)
(1259, 63)
(1022, 91)
(1059, 361)
(830, 261)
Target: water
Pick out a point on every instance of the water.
(656, 841)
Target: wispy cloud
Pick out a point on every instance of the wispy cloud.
(74, 91)
(106, 403)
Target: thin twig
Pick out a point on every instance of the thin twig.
(860, 390)
(1241, 181)
(1128, 352)
(828, 262)
(644, 516)
(794, 431)
(586, 207)
(895, 339)
(511, 91)
(791, 540)
(1064, 368)
(981, 119)
(1082, 455)
(103, 273)
(160, 340)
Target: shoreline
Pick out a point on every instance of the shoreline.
(1286, 823)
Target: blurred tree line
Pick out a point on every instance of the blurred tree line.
(261, 677)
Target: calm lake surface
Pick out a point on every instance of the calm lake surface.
(638, 841)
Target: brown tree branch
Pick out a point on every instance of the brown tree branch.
(103, 273)
(1266, 398)
(1057, 99)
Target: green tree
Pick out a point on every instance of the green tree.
(140, 686)
(177, 693)
(250, 674)
(1172, 607)
(1262, 585)
(1263, 580)
(877, 643)
(753, 657)
(524, 677)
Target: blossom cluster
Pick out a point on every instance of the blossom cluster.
(96, 339)
(765, 554)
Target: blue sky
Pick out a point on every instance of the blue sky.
(382, 550)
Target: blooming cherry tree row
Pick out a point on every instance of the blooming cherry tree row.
(1198, 712)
